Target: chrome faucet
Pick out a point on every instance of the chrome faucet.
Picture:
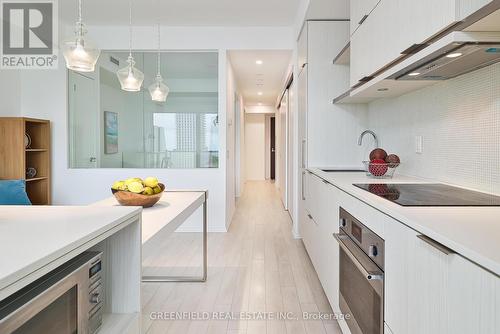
(360, 140)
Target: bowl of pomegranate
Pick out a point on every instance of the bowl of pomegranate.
(381, 165)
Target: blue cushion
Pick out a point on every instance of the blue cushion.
(13, 192)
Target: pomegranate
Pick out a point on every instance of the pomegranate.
(392, 159)
(378, 153)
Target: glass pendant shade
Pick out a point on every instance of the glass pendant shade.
(130, 77)
(158, 90)
(80, 54)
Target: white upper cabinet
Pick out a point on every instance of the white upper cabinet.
(360, 9)
(395, 28)
(430, 289)
(302, 48)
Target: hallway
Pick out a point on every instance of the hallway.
(256, 267)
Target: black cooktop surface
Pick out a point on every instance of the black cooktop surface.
(430, 195)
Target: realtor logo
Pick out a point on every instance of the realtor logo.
(29, 34)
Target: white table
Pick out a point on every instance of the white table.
(173, 209)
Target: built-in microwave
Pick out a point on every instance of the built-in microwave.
(67, 300)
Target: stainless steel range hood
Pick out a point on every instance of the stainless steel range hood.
(465, 53)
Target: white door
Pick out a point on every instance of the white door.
(83, 119)
(283, 149)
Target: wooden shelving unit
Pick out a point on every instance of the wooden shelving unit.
(15, 158)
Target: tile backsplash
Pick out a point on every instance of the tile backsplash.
(459, 121)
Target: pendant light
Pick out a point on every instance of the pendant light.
(158, 90)
(130, 77)
(80, 54)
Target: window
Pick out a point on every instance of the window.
(111, 128)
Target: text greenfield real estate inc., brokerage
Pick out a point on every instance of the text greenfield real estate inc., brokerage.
(29, 35)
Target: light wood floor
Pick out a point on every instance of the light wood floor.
(256, 267)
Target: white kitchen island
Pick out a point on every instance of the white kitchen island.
(35, 240)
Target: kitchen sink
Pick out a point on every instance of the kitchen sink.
(339, 170)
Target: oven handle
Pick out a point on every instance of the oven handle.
(371, 276)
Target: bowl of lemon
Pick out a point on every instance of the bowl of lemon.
(138, 192)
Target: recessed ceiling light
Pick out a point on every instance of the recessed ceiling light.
(382, 89)
(259, 93)
(259, 62)
(454, 55)
(414, 74)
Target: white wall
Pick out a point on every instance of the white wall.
(282, 150)
(459, 120)
(44, 95)
(10, 93)
(195, 38)
(240, 147)
(320, 10)
(130, 125)
(255, 146)
(264, 109)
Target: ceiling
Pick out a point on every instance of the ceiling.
(185, 12)
(267, 78)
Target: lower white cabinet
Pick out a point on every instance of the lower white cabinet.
(431, 290)
(322, 208)
(474, 298)
(428, 288)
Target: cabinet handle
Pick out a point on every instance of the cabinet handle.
(310, 217)
(363, 19)
(414, 49)
(303, 186)
(369, 275)
(303, 153)
(440, 247)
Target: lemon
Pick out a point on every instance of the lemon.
(157, 190)
(135, 187)
(118, 185)
(129, 181)
(148, 191)
(151, 182)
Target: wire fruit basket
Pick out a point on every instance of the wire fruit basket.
(380, 170)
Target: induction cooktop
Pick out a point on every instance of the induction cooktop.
(430, 195)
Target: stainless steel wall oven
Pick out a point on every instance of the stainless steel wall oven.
(361, 276)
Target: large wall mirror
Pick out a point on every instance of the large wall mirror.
(111, 128)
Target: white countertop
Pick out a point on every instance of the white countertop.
(32, 237)
(174, 207)
(473, 232)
